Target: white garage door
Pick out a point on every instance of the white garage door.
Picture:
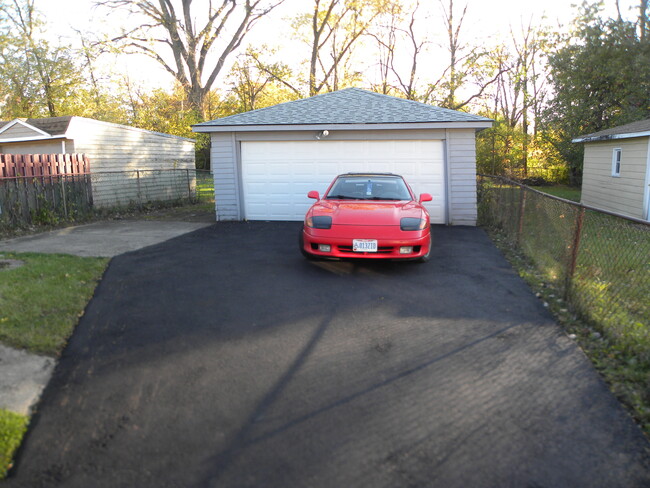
(276, 176)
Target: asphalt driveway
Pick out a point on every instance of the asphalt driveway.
(222, 358)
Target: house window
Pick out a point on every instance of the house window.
(616, 162)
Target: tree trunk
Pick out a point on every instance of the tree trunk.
(643, 20)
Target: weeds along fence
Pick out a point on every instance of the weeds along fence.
(48, 199)
(548, 173)
(600, 262)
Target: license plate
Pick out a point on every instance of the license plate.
(364, 245)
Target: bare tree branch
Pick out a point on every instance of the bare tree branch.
(173, 30)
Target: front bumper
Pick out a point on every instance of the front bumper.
(389, 242)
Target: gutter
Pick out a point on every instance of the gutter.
(611, 137)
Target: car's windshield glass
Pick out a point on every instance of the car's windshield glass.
(369, 187)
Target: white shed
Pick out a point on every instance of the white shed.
(267, 160)
(616, 170)
(118, 154)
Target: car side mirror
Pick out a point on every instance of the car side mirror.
(425, 197)
(313, 194)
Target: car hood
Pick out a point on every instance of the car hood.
(368, 212)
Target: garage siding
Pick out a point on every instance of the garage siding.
(223, 157)
(462, 177)
(114, 147)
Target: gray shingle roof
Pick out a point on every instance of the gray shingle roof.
(54, 126)
(349, 106)
(622, 131)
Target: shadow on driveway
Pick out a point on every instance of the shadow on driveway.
(222, 358)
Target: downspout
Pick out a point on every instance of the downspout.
(646, 193)
(447, 177)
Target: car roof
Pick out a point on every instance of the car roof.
(370, 174)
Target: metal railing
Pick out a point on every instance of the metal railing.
(599, 262)
(36, 200)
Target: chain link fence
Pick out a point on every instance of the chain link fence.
(46, 200)
(600, 262)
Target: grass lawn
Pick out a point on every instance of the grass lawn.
(563, 191)
(12, 430)
(40, 304)
(41, 301)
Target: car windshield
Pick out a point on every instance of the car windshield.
(369, 187)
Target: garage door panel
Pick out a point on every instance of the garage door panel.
(276, 176)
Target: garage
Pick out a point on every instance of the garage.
(265, 161)
(276, 176)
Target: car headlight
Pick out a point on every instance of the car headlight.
(410, 223)
(319, 222)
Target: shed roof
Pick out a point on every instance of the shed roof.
(640, 128)
(351, 106)
(59, 127)
(54, 126)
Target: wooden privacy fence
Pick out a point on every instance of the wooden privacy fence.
(42, 188)
(26, 165)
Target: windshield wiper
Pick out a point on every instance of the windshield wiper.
(340, 197)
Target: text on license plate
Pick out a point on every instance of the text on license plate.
(364, 245)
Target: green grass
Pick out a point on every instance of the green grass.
(41, 301)
(12, 430)
(563, 191)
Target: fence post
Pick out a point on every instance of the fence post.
(573, 258)
(137, 172)
(65, 204)
(189, 186)
(522, 210)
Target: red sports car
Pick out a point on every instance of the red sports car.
(367, 215)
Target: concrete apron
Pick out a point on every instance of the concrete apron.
(101, 239)
(23, 375)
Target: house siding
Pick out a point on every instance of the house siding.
(461, 165)
(113, 147)
(130, 154)
(43, 147)
(623, 194)
(18, 131)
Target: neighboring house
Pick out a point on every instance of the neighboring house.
(267, 160)
(616, 172)
(110, 148)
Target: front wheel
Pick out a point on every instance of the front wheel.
(426, 257)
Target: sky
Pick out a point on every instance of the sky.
(487, 21)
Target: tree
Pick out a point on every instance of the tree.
(643, 20)
(600, 75)
(335, 27)
(256, 84)
(469, 67)
(193, 52)
(39, 77)
(390, 37)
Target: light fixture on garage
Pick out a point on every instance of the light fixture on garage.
(322, 134)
